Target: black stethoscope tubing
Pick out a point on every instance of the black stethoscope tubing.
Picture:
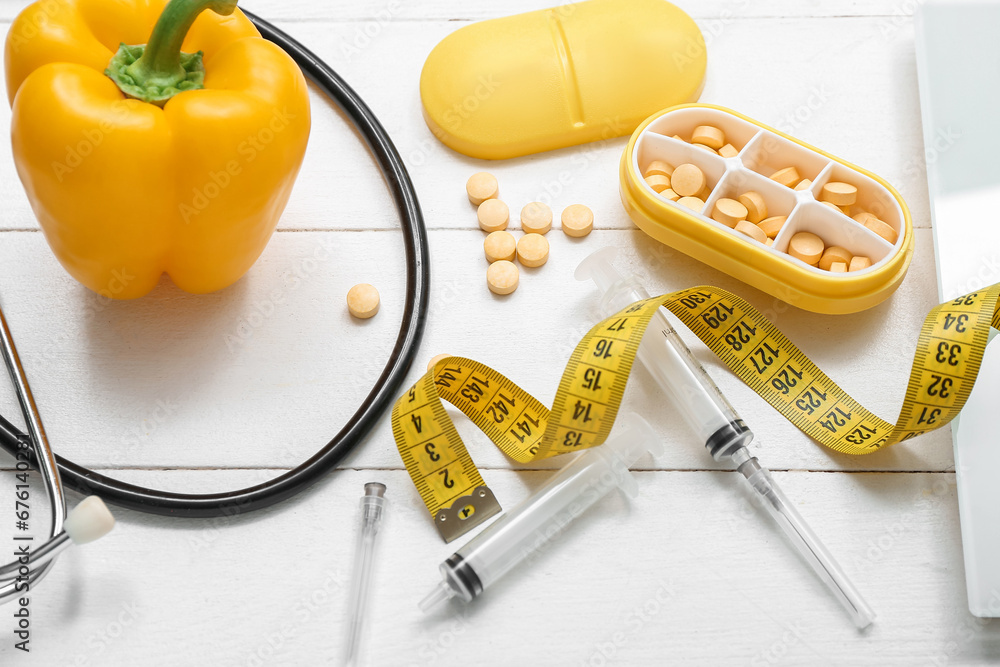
(379, 399)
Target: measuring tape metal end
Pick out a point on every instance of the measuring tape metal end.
(466, 513)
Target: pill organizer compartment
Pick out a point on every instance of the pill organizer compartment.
(872, 197)
(683, 121)
(654, 146)
(835, 229)
(767, 153)
(779, 199)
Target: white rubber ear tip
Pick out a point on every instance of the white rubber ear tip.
(90, 520)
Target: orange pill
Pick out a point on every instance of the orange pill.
(658, 183)
(834, 254)
(788, 176)
(687, 180)
(771, 226)
(756, 207)
(859, 262)
(751, 230)
(708, 135)
(806, 246)
(882, 229)
(480, 187)
(841, 194)
(729, 212)
(692, 203)
(658, 168)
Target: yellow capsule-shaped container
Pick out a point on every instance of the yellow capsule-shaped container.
(580, 72)
(760, 152)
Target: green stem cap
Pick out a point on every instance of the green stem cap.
(157, 71)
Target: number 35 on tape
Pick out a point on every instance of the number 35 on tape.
(949, 352)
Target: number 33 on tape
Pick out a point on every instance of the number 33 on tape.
(949, 352)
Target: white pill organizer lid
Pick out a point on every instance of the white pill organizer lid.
(958, 63)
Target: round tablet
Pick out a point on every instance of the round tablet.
(882, 229)
(687, 180)
(771, 226)
(363, 301)
(670, 194)
(788, 176)
(751, 230)
(499, 245)
(806, 246)
(692, 203)
(863, 217)
(838, 267)
(493, 215)
(709, 136)
(706, 148)
(433, 362)
(481, 186)
(577, 220)
(502, 277)
(859, 262)
(834, 254)
(532, 250)
(658, 168)
(804, 184)
(536, 218)
(841, 194)
(729, 212)
(728, 151)
(756, 208)
(658, 183)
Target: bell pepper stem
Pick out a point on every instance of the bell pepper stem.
(159, 70)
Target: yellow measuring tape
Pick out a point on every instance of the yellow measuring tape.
(945, 366)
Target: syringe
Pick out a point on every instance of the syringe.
(527, 528)
(663, 353)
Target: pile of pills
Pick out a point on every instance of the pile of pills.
(711, 139)
(843, 197)
(747, 214)
(685, 184)
(532, 249)
(812, 250)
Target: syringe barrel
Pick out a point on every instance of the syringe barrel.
(663, 353)
(526, 530)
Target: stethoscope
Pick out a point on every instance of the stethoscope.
(90, 519)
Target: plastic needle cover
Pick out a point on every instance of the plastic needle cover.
(663, 353)
(373, 505)
(527, 528)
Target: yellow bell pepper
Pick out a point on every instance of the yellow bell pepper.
(177, 155)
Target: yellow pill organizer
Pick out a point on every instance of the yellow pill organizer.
(558, 77)
(762, 151)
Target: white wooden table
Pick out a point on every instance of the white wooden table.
(157, 391)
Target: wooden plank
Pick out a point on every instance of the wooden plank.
(847, 90)
(380, 12)
(687, 573)
(264, 373)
